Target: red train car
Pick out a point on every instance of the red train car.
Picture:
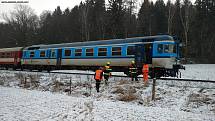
(11, 57)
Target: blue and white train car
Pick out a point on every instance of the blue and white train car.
(160, 52)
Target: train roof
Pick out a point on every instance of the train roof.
(11, 49)
(104, 42)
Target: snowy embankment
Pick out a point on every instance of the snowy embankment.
(44, 97)
(20, 104)
(199, 71)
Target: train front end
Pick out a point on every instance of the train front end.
(166, 58)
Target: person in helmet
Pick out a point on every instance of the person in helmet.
(133, 71)
(107, 72)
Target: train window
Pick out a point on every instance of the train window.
(116, 51)
(7, 55)
(130, 50)
(170, 48)
(160, 48)
(67, 52)
(166, 48)
(78, 52)
(31, 54)
(53, 53)
(102, 52)
(3, 55)
(42, 53)
(89, 52)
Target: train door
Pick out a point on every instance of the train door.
(59, 57)
(139, 55)
(148, 53)
(15, 57)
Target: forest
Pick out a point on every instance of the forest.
(192, 23)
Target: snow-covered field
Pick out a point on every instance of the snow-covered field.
(37, 96)
(199, 71)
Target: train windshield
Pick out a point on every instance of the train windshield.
(166, 48)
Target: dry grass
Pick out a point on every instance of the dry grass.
(126, 93)
(1, 82)
(131, 89)
(21, 77)
(127, 97)
(34, 80)
(123, 82)
(118, 90)
(57, 86)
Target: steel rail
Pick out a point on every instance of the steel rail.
(188, 80)
(176, 79)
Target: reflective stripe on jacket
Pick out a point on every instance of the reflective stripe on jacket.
(107, 70)
(98, 75)
(133, 69)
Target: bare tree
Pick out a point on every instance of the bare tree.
(185, 19)
(171, 13)
(130, 6)
(24, 21)
(84, 19)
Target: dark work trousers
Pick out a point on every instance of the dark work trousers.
(106, 77)
(97, 85)
(134, 76)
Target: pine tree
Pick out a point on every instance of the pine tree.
(160, 17)
(145, 17)
(115, 16)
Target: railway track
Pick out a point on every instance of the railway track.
(166, 79)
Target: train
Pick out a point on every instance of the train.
(161, 52)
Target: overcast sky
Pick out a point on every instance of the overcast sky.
(41, 5)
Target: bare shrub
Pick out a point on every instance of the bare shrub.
(118, 89)
(197, 100)
(57, 86)
(121, 82)
(131, 89)
(21, 77)
(34, 80)
(127, 97)
(1, 82)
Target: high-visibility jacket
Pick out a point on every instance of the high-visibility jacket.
(145, 68)
(132, 69)
(107, 71)
(98, 75)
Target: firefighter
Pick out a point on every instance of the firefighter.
(133, 71)
(98, 77)
(107, 72)
(145, 72)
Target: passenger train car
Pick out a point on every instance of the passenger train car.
(161, 52)
(11, 57)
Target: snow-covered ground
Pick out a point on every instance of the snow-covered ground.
(25, 105)
(199, 71)
(37, 96)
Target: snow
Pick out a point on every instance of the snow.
(25, 105)
(199, 71)
(43, 97)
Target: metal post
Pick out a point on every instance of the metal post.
(153, 88)
(70, 83)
